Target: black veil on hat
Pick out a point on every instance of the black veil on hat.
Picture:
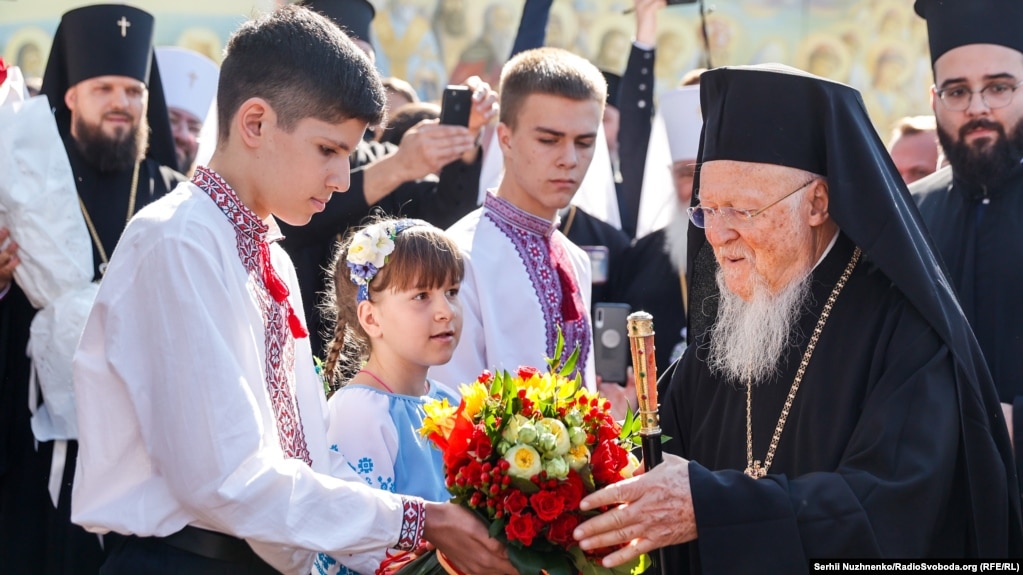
(775, 114)
(955, 23)
(353, 16)
(109, 40)
(614, 85)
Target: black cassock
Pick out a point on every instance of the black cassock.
(871, 462)
(979, 235)
(34, 537)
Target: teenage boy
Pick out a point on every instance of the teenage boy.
(524, 279)
(202, 419)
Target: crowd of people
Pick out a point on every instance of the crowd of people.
(836, 318)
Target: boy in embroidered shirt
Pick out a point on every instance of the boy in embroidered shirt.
(202, 420)
(523, 278)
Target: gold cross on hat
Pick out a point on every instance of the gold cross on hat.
(124, 23)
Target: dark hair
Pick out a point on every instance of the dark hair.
(424, 257)
(303, 65)
(551, 71)
(405, 117)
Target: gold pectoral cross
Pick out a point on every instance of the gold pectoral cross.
(757, 470)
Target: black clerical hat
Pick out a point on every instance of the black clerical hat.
(108, 40)
(774, 114)
(614, 85)
(954, 23)
(353, 16)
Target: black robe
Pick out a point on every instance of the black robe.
(34, 537)
(871, 462)
(648, 281)
(441, 202)
(979, 234)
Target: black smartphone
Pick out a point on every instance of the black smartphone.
(611, 341)
(456, 105)
(670, 2)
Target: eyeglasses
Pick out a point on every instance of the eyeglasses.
(994, 95)
(733, 217)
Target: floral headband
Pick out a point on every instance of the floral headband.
(369, 250)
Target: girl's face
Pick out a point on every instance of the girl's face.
(418, 326)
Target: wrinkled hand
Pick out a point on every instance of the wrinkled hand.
(8, 259)
(621, 397)
(464, 541)
(429, 146)
(653, 510)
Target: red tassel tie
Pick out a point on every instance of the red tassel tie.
(279, 291)
(569, 311)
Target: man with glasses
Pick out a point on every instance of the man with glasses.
(974, 208)
(837, 406)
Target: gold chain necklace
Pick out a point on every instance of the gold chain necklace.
(92, 227)
(754, 468)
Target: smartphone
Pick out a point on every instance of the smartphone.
(670, 2)
(611, 341)
(455, 106)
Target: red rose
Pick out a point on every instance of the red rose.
(548, 505)
(571, 490)
(480, 442)
(3, 71)
(523, 528)
(607, 432)
(526, 371)
(515, 502)
(485, 376)
(607, 462)
(560, 531)
(472, 471)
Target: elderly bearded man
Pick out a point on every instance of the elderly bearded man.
(838, 406)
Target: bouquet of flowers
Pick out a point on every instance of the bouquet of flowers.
(522, 450)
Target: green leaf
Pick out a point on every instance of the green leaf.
(497, 528)
(531, 562)
(559, 348)
(570, 363)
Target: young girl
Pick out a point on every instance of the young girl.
(396, 301)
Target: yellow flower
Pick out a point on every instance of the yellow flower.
(525, 461)
(474, 396)
(440, 418)
(631, 468)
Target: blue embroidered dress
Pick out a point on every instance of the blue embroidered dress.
(377, 433)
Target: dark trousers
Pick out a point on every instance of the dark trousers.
(222, 555)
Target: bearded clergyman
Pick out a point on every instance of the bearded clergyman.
(838, 405)
(104, 87)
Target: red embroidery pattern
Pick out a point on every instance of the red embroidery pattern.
(412, 524)
(250, 234)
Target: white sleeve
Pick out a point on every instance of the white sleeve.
(181, 342)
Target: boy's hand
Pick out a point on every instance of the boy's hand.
(464, 541)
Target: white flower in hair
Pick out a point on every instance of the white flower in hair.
(371, 245)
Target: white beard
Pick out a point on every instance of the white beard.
(749, 339)
(676, 238)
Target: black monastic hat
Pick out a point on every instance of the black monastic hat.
(614, 85)
(108, 40)
(775, 114)
(353, 16)
(955, 23)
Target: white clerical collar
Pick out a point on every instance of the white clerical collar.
(834, 239)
